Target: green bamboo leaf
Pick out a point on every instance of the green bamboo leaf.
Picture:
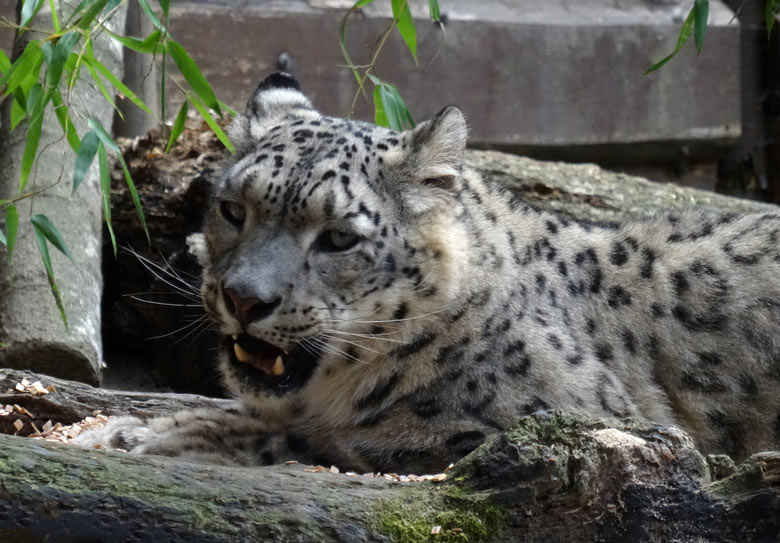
(380, 116)
(701, 13)
(103, 90)
(433, 10)
(105, 191)
(95, 125)
(55, 19)
(90, 13)
(47, 49)
(362, 3)
(117, 84)
(150, 44)
(230, 111)
(152, 16)
(388, 105)
(771, 7)
(396, 112)
(35, 114)
(63, 116)
(5, 63)
(29, 10)
(33, 95)
(42, 224)
(685, 33)
(212, 124)
(17, 114)
(11, 227)
(43, 248)
(134, 195)
(193, 75)
(165, 6)
(28, 63)
(61, 52)
(84, 157)
(403, 16)
(178, 125)
(112, 5)
(21, 98)
(76, 12)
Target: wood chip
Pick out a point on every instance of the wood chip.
(291, 462)
(436, 530)
(19, 387)
(66, 433)
(334, 469)
(18, 424)
(25, 382)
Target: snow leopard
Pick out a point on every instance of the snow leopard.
(383, 308)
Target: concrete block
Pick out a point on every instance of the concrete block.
(531, 74)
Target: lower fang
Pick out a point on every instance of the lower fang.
(278, 368)
(235, 337)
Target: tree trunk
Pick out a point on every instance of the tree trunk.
(553, 477)
(29, 319)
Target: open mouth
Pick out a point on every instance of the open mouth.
(263, 363)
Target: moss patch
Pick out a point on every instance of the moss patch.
(460, 517)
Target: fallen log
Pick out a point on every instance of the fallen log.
(553, 477)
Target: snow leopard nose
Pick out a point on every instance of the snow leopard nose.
(248, 309)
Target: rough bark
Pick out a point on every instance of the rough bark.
(29, 320)
(553, 477)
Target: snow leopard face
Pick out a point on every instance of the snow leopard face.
(316, 250)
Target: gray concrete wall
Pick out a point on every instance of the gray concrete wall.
(550, 78)
(528, 74)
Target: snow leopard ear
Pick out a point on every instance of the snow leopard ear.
(275, 96)
(438, 145)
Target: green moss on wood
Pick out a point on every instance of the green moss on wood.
(461, 516)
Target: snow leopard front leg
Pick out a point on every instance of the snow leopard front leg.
(227, 437)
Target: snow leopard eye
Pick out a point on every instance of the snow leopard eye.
(336, 240)
(233, 212)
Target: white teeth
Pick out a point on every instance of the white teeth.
(241, 354)
(278, 368)
(235, 336)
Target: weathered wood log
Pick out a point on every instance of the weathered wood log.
(553, 477)
(72, 401)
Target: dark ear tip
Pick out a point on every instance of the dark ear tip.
(278, 80)
(448, 110)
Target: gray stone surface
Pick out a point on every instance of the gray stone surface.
(529, 75)
(29, 319)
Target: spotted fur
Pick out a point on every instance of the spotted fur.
(457, 308)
